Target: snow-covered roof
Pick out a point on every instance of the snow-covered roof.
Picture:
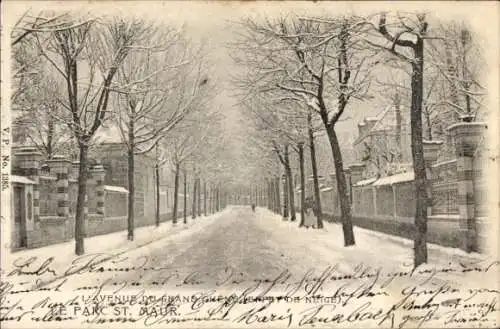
(460, 124)
(21, 180)
(439, 164)
(437, 142)
(384, 121)
(48, 177)
(366, 181)
(394, 179)
(115, 188)
(109, 134)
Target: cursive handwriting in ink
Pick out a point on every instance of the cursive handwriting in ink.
(319, 315)
(29, 267)
(258, 316)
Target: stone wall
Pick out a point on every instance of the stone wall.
(48, 196)
(55, 193)
(115, 204)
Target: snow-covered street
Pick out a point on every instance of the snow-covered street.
(277, 274)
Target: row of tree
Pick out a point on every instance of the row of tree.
(305, 73)
(75, 74)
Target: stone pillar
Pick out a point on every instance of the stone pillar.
(28, 159)
(466, 137)
(98, 174)
(75, 168)
(356, 172)
(60, 166)
(431, 152)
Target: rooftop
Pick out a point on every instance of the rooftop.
(384, 121)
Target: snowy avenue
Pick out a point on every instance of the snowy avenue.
(241, 267)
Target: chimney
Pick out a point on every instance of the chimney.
(370, 122)
(361, 128)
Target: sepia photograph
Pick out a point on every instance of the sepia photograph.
(234, 164)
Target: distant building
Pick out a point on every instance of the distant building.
(111, 152)
(384, 143)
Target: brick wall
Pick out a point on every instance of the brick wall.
(444, 188)
(385, 200)
(440, 231)
(98, 225)
(72, 195)
(115, 203)
(405, 199)
(54, 229)
(48, 196)
(51, 230)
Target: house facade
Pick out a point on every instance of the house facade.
(383, 143)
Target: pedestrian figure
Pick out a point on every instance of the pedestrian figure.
(310, 205)
(253, 207)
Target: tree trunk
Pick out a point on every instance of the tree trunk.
(199, 196)
(80, 201)
(157, 175)
(302, 185)
(212, 199)
(453, 74)
(217, 199)
(176, 194)
(342, 191)
(205, 198)
(277, 194)
(285, 196)
(209, 199)
(291, 196)
(420, 241)
(223, 200)
(50, 139)
(270, 193)
(131, 188)
(317, 195)
(185, 197)
(195, 195)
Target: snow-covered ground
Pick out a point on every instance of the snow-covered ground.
(307, 276)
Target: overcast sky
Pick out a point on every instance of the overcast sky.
(210, 22)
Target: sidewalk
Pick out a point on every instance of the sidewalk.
(107, 244)
(372, 248)
(381, 237)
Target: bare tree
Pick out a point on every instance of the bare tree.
(87, 45)
(324, 64)
(161, 83)
(455, 53)
(37, 112)
(188, 143)
(406, 43)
